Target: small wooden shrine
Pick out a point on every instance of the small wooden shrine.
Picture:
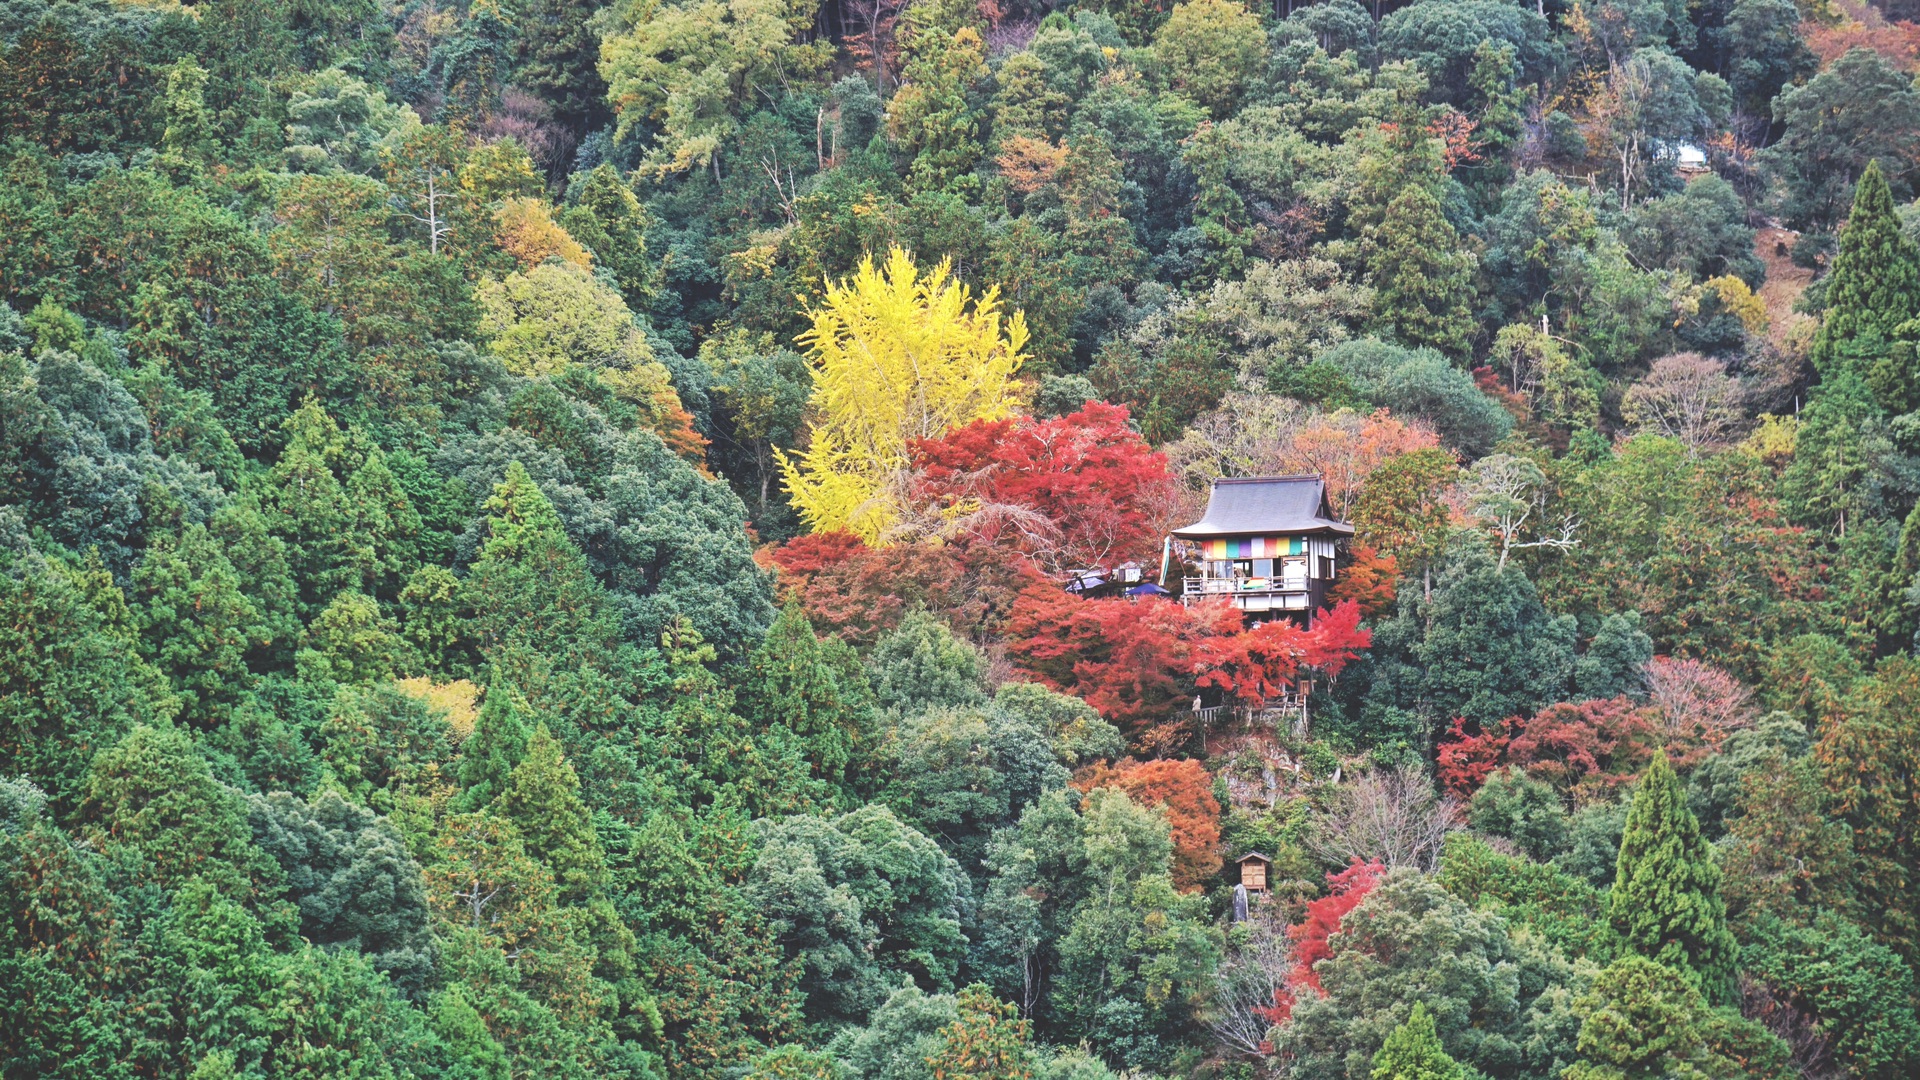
(1253, 871)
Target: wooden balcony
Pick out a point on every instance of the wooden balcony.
(1257, 594)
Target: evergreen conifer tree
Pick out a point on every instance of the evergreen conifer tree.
(542, 800)
(1413, 1052)
(530, 585)
(1873, 288)
(1421, 274)
(1666, 901)
(813, 687)
(497, 745)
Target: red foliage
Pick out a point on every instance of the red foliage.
(1584, 749)
(1898, 43)
(1311, 937)
(1369, 582)
(1185, 789)
(1466, 760)
(1266, 661)
(1455, 130)
(1489, 382)
(1069, 492)
(1139, 662)
(814, 552)
(1132, 661)
(859, 593)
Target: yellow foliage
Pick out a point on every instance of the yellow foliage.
(1029, 164)
(1772, 442)
(525, 230)
(1741, 302)
(896, 356)
(455, 700)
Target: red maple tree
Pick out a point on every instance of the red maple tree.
(1585, 749)
(1312, 935)
(1070, 492)
(1270, 659)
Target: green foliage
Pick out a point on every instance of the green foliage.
(859, 901)
(1643, 1019)
(490, 754)
(1421, 275)
(1480, 646)
(1866, 755)
(357, 357)
(1666, 901)
(156, 808)
(72, 681)
(1873, 288)
(1856, 112)
(1857, 991)
(542, 800)
(1565, 910)
(351, 877)
(1413, 1052)
(920, 664)
(1411, 941)
(1519, 808)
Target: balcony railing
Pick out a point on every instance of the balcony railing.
(1203, 586)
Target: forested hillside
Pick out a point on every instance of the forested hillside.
(619, 539)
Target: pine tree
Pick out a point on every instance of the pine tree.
(1666, 901)
(1421, 274)
(813, 687)
(531, 586)
(1413, 1052)
(497, 745)
(1874, 287)
(543, 802)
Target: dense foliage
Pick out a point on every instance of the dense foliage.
(599, 539)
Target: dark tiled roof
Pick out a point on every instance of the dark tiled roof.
(1265, 505)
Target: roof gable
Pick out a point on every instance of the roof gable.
(1266, 506)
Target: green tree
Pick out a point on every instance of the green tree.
(1874, 286)
(1869, 752)
(1859, 110)
(1413, 1052)
(186, 139)
(353, 641)
(530, 586)
(859, 901)
(152, 801)
(1481, 645)
(1411, 941)
(1642, 1020)
(1421, 274)
(1211, 49)
(1666, 901)
(986, 1041)
(542, 799)
(603, 213)
(1858, 991)
(72, 680)
(496, 746)
(922, 664)
(196, 624)
(1527, 811)
(352, 878)
(816, 690)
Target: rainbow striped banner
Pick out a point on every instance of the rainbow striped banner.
(1258, 547)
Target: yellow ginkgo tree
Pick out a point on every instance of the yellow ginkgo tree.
(896, 355)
